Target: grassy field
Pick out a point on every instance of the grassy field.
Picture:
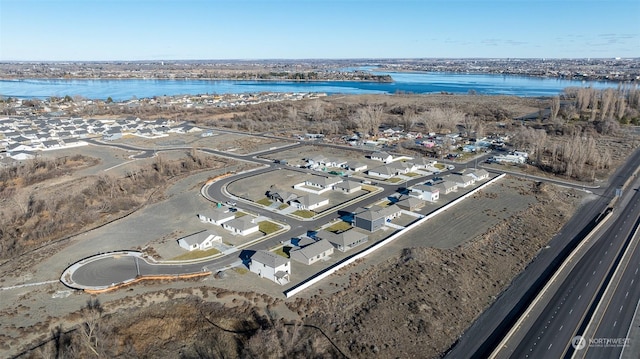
(267, 227)
(196, 254)
(280, 251)
(394, 180)
(339, 226)
(265, 202)
(303, 213)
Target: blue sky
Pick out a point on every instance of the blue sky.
(60, 30)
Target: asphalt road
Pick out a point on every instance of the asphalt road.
(616, 322)
(487, 331)
(567, 311)
(217, 191)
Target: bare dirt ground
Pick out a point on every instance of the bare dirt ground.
(408, 299)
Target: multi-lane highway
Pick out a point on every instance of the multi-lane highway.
(570, 309)
(485, 334)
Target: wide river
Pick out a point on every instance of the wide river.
(419, 83)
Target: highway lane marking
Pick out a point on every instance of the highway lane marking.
(630, 326)
(571, 311)
(549, 346)
(622, 306)
(636, 271)
(562, 326)
(614, 323)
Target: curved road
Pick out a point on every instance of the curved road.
(117, 270)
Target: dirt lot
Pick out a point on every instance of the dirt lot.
(223, 141)
(417, 291)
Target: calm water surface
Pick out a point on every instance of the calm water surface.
(403, 82)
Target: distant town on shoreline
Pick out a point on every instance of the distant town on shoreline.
(623, 70)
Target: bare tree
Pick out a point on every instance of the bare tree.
(555, 108)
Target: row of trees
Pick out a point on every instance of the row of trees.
(28, 221)
(576, 155)
(622, 104)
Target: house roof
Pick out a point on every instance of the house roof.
(269, 259)
(323, 181)
(310, 199)
(425, 188)
(219, 213)
(410, 202)
(348, 185)
(311, 250)
(197, 238)
(445, 185)
(384, 169)
(480, 172)
(355, 164)
(461, 178)
(380, 154)
(241, 223)
(377, 212)
(344, 239)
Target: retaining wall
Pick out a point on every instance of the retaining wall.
(327, 272)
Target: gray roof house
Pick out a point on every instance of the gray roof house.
(271, 266)
(309, 202)
(344, 241)
(410, 204)
(355, 166)
(217, 215)
(427, 193)
(382, 172)
(201, 240)
(279, 195)
(382, 156)
(348, 186)
(242, 225)
(446, 187)
(462, 180)
(312, 253)
(479, 174)
(375, 217)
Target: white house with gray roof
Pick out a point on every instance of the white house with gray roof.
(320, 250)
(376, 217)
(242, 225)
(217, 215)
(344, 241)
(201, 240)
(271, 266)
(309, 202)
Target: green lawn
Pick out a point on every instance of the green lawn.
(196, 254)
(394, 180)
(265, 202)
(368, 188)
(303, 213)
(241, 270)
(439, 166)
(267, 227)
(412, 174)
(283, 251)
(283, 206)
(240, 214)
(338, 227)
